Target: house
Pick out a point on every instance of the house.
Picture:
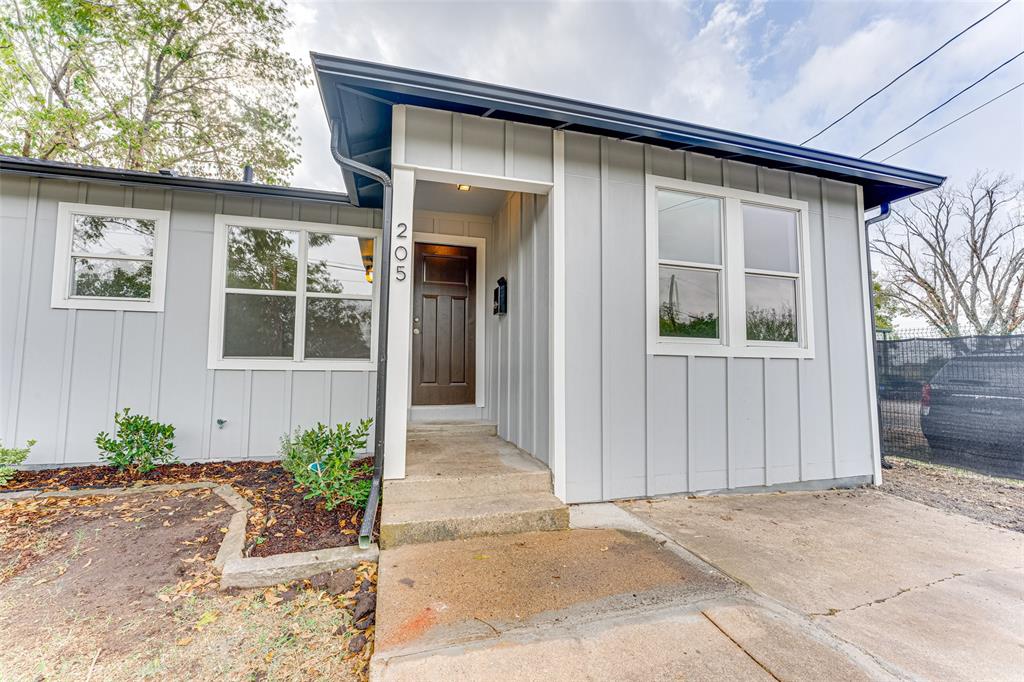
(646, 306)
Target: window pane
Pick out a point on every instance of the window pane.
(111, 278)
(689, 227)
(687, 302)
(113, 235)
(769, 239)
(259, 326)
(262, 259)
(339, 264)
(771, 308)
(337, 328)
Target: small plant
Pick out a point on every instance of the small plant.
(141, 443)
(323, 461)
(10, 458)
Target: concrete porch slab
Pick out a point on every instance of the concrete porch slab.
(463, 481)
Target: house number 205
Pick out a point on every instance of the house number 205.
(401, 252)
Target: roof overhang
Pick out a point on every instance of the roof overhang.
(129, 178)
(358, 96)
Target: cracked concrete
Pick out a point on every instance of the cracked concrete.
(925, 593)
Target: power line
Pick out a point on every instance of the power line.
(980, 106)
(929, 113)
(922, 61)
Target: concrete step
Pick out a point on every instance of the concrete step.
(404, 523)
(461, 428)
(427, 488)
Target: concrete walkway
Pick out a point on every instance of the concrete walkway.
(928, 594)
(851, 585)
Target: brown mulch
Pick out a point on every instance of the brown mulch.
(280, 520)
(999, 501)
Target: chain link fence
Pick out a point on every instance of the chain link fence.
(957, 401)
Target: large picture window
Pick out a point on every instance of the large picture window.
(109, 258)
(727, 272)
(290, 294)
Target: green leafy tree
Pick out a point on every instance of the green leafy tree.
(200, 86)
(886, 305)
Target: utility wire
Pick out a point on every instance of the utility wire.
(933, 110)
(922, 61)
(962, 116)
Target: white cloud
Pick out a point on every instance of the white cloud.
(781, 70)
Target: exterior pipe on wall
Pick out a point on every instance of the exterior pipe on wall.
(383, 276)
(874, 331)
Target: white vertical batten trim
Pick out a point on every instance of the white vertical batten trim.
(208, 386)
(869, 341)
(606, 473)
(828, 326)
(732, 259)
(799, 362)
(398, 116)
(510, 137)
(115, 366)
(556, 319)
(649, 425)
(21, 328)
(246, 413)
(156, 370)
(67, 364)
(457, 141)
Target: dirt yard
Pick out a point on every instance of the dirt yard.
(123, 588)
(280, 519)
(999, 501)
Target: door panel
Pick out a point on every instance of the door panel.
(444, 325)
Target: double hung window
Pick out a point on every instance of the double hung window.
(727, 273)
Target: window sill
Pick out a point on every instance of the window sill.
(714, 350)
(283, 364)
(128, 304)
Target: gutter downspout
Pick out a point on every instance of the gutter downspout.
(383, 273)
(885, 211)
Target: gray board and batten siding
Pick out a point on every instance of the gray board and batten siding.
(65, 372)
(639, 424)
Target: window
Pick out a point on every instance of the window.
(109, 258)
(727, 274)
(290, 295)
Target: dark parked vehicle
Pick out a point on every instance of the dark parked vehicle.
(972, 412)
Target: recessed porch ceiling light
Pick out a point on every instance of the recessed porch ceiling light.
(463, 188)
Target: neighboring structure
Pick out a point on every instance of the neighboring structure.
(681, 309)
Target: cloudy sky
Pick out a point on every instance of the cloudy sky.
(778, 69)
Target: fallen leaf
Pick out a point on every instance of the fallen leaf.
(269, 657)
(271, 598)
(223, 529)
(481, 556)
(207, 618)
(184, 641)
(299, 532)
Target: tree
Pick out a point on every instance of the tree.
(200, 86)
(886, 307)
(956, 256)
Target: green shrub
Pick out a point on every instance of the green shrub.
(10, 458)
(323, 461)
(141, 443)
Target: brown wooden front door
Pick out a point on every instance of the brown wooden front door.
(444, 325)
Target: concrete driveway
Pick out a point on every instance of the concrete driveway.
(927, 594)
(801, 586)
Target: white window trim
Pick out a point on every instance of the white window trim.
(215, 349)
(60, 293)
(732, 341)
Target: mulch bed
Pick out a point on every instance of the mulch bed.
(280, 520)
(999, 501)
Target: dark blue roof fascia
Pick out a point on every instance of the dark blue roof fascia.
(73, 171)
(407, 86)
